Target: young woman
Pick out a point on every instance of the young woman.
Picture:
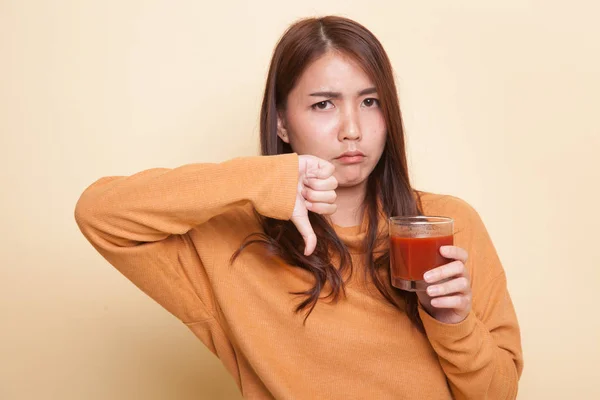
(279, 263)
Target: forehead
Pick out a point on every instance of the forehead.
(334, 72)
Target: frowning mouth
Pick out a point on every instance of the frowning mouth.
(350, 157)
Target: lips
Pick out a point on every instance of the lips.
(350, 157)
(354, 153)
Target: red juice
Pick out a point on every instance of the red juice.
(412, 257)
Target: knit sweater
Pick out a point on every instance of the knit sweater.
(172, 233)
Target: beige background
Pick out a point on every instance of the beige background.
(500, 101)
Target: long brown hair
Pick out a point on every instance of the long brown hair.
(388, 188)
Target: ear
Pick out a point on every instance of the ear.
(282, 131)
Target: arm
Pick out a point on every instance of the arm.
(140, 223)
(481, 356)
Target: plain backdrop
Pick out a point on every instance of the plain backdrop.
(500, 100)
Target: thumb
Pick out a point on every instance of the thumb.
(308, 234)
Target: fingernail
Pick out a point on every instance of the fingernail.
(433, 290)
(446, 250)
(428, 276)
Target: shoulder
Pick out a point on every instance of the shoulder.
(442, 205)
(434, 204)
(470, 233)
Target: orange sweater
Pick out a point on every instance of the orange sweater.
(172, 232)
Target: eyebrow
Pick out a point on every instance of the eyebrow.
(336, 95)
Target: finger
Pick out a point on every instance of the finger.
(303, 225)
(321, 208)
(314, 196)
(323, 170)
(455, 268)
(454, 253)
(456, 302)
(321, 184)
(458, 285)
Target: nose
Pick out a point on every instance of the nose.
(349, 127)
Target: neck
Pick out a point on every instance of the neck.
(349, 205)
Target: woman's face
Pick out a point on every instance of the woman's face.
(333, 113)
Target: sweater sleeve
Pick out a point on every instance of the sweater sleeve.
(481, 356)
(141, 223)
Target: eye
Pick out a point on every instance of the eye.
(322, 105)
(370, 102)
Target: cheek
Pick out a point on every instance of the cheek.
(311, 130)
(377, 131)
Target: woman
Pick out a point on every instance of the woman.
(279, 263)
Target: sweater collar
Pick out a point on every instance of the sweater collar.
(354, 236)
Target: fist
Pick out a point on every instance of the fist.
(316, 193)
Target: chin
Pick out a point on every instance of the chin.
(352, 175)
(350, 181)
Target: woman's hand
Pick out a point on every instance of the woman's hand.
(448, 301)
(316, 193)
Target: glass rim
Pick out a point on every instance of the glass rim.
(421, 220)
